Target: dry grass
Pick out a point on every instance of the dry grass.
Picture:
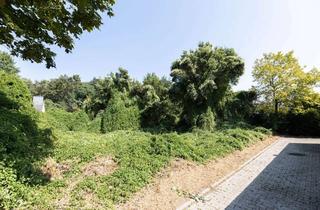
(53, 170)
(101, 166)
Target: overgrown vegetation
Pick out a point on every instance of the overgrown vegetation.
(139, 156)
(142, 126)
(22, 143)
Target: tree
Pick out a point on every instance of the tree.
(105, 88)
(122, 80)
(7, 63)
(62, 90)
(282, 82)
(160, 85)
(120, 114)
(29, 28)
(240, 105)
(201, 79)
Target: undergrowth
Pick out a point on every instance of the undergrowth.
(139, 156)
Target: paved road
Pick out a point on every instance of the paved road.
(285, 176)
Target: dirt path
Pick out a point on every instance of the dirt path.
(183, 180)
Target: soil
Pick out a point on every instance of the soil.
(183, 180)
(100, 166)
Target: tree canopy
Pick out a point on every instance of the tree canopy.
(201, 78)
(7, 63)
(29, 28)
(282, 82)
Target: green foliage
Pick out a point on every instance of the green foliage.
(201, 79)
(103, 127)
(288, 95)
(22, 142)
(68, 92)
(140, 156)
(263, 130)
(122, 80)
(305, 123)
(161, 115)
(79, 121)
(13, 193)
(7, 63)
(30, 27)
(161, 86)
(206, 121)
(120, 114)
(282, 82)
(240, 106)
(105, 88)
(60, 119)
(14, 94)
(145, 95)
(95, 124)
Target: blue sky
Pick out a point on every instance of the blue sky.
(148, 35)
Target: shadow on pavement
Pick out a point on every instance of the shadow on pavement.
(291, 181)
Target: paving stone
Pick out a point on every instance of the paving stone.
(285, 176)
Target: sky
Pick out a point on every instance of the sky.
(148, 35)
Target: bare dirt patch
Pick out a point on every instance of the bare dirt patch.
(184, 179)
(101, 166)
(53, 170)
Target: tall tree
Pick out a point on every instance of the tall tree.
(160, 85)
(29, 28)
(282, 82)
(201, 78)
(7, 63)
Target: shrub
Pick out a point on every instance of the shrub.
(22, 142)
(305, 123)
(60, 119)
(120, 115)
(263, 130)
(12, 192)
(206, 121)
(94, 125)
(161, 115)
(14, 93)
(57, 118)
(79, 121)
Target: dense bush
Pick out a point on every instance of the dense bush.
(263, 130)
(14, 94)
(206, 121)
(58, 118)
(120, 115)
(239, 105)
(161, 115)
(22, 142)
(13, 193)
(304, 122)
(94, 125)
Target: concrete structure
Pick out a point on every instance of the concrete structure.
(38, 103)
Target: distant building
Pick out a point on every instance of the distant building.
(38, 103)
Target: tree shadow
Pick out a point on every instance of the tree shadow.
(290, 181)
(22, 142)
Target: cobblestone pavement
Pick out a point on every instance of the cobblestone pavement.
(285, 176)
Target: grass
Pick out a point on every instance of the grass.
(139, 156)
